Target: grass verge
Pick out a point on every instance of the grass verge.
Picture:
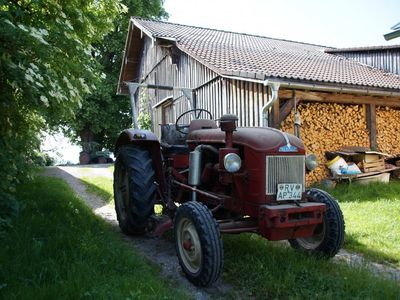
(58, 248)
(269, 270)
(372, 215)
(100, 186)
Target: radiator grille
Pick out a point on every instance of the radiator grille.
(284, 169)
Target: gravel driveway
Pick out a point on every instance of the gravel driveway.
(161, 250)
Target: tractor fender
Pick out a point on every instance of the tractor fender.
(150, 141)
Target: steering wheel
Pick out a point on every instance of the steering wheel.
(180, 128)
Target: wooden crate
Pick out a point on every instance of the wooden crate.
(376, 165)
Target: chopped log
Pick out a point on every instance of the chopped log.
(330, 126)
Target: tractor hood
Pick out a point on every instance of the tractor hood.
(261, 139)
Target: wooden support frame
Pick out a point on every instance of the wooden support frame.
(371, 125)
(275, 114)
(287, 108)
(329, 97)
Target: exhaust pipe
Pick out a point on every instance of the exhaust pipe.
(194, 178)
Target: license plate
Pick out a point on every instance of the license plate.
(289, 191)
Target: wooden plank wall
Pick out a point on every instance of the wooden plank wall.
(218, 95)
(246, 99)
(156, 67)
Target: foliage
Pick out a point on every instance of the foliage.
(103, 112)
(144, 121)
(60, 249)
(144, 117)
(46, 67)
(42, 159)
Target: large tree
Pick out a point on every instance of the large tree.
(104, 114)
(46, 68)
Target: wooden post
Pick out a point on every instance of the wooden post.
(371, 124)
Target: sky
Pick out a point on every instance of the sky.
(339, 23)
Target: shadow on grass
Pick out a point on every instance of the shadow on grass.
(269, 270)
(351, 243)
(376, 191)
(59, 249)
(100, 186)
(371, 221)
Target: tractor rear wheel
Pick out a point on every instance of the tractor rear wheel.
(134, 188)
(198, 243)
(329, 236)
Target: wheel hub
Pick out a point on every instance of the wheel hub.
(187, 245)
(190, 247)
(311, 243)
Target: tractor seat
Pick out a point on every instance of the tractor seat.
(173, 141)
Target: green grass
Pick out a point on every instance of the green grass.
(58, 249)
(267, 270)
(372, 216)
(101, 186)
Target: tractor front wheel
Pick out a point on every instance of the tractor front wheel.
(198, 243)
(134, 188)
(329, 236)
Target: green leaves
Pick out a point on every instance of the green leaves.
(46, 69)
(104, 113)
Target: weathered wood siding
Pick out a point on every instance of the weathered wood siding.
(246, 99)
(156, 67)
(214, 93)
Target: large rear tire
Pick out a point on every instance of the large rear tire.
(329, 236)
(134, 188)
(198, 243)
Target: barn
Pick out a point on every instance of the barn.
(331, 97)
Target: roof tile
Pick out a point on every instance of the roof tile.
(250, 55)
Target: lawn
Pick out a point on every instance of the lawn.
(269, 270)
(58, 249)
(372, 215)
(101, 186)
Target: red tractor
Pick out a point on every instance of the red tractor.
(212, 180)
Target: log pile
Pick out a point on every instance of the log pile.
(388, 130)
(328, 127)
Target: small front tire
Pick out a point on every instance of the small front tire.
(328, 237)
(198, 243)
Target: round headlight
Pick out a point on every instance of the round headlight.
(232, 162)
(311, 161)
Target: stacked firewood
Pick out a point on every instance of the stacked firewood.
(328, 127)
(388, 130)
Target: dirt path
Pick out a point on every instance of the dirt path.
(161, 250)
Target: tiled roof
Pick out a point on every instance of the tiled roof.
(362, 49)
(251, 56)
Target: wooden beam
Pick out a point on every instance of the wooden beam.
(275, 114)
(371, 124)
(286, 109)
(313, 96)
